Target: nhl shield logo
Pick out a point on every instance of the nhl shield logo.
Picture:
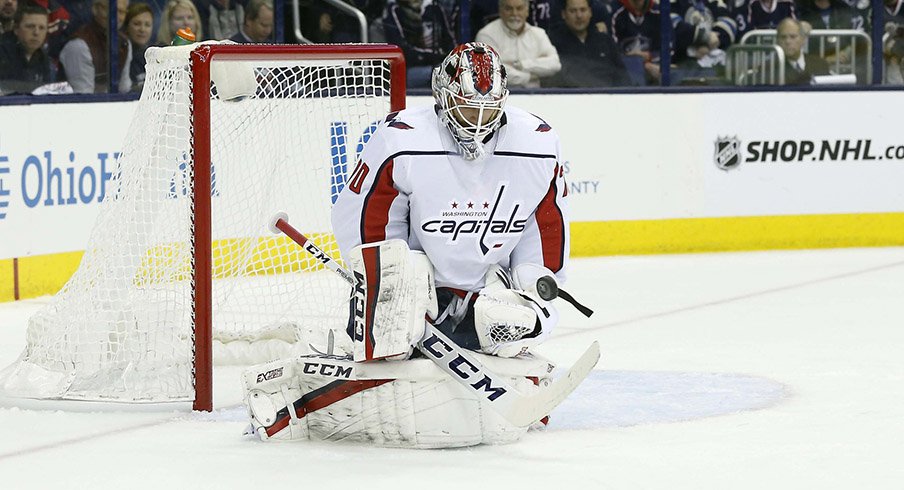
(728, 153)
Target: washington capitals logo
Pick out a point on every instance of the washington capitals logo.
(488, 222)
(393, 122)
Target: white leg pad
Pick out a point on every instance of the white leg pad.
(398, 404)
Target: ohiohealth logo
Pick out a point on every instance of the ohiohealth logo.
(45, 180)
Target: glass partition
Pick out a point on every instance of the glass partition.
(52, 47)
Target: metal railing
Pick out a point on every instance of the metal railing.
(340, 5)
(846, 50)
(755, 65)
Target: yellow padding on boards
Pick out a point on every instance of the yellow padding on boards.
(233, 257)
(7, 287)
(38, 275)
(590, 239)
(46, 274)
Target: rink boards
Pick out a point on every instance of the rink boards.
(647, 173)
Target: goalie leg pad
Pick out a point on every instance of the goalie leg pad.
(396, 404)
(394, 292)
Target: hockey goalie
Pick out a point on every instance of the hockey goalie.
(454, 229)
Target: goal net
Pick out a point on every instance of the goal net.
(181, 257)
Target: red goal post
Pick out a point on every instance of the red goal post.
(201, 58)
(180, 259)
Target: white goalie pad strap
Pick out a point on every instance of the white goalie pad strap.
(506, 316)
(399, 404)
(394, 292)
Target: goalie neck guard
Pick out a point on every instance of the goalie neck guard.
(470, 91)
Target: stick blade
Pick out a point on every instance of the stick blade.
(533, 408)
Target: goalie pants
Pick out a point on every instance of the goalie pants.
(458, 327)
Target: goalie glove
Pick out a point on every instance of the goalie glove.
(510, 315)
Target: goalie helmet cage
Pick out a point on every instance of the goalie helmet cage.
(224, 136)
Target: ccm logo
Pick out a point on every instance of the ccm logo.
(462, 368)
(357, 306)
(330, 370)
(316, 252)
(272, 374)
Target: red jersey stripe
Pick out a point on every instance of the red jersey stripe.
(552, 227)
(375, 212)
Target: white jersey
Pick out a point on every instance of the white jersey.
(412, 183)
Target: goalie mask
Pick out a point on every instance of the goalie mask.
(470, 91)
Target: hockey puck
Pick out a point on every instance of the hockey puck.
(547, 288)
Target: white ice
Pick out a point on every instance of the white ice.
(773, 370)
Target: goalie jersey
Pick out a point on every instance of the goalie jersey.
(508, 208)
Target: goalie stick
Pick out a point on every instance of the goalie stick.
(519, 409)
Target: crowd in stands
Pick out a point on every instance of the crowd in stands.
(51, 46)
(61, 46)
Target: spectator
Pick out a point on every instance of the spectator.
(590, 58)
(423, 31)
(829, 14)
(258, 24)
(635, 27)
(766, 14)
(374, 11)
(541, 13)
(894, 54)
(85, 58)
(317, 23)
(707, 28)
(893, 46)
(713, 25)
(220, 19)
(138, 26)
(525, 50)
(600, 14)
(23, 64)
(179, 14)
(835, 14)
(738, 11)
(57, 25)
(800, 68)
(861, 13)
(7, 15)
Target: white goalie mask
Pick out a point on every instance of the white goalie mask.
(470, 91)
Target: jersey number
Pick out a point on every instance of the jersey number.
(358, 176)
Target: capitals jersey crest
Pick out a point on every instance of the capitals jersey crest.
(507, 208)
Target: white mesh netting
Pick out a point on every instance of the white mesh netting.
(121, 329)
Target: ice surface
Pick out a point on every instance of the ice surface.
(725, 371)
